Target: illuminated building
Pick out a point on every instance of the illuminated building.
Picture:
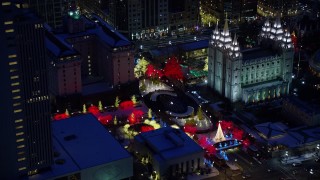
(253, 74)
(25, 128)
(114, 12)
(235, 10)
(271, 8)
(64, 67)
(183, 15)
(106, 55)
(172, 151)
(51, 11)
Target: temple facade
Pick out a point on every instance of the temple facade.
(253, 74)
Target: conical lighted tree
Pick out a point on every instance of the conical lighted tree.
(100, 106)
(116, 103)
(219, 135)
(115, 120)
(84, 108)
(140, 68)
(134, 99)
(149, 113)
(67, 112)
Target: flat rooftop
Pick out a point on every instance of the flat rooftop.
(168, 143)
(83, 137)
(81, 142)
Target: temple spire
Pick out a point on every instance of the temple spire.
(219, 135)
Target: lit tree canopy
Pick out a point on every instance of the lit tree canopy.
(173, 69)
(152, 72)
(141, 68)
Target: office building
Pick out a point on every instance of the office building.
(51, 11)
(64, 67)
(273, 8)
(253, 74)
(25, 128)
(235, 10)
(106, 55)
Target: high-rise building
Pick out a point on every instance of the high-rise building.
(25, 129)
(144, 19)
(253, 74)
(234, 10)
(51, 11)
(183, 15)
(273, 8)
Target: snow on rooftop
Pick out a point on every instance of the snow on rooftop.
(87, 141)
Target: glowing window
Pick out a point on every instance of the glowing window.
(19, 133)
(16, 104)
(12, 56)
(20, 140)
(18, 120)
(6, 3)
(17, 97)
(21, 159)
(17, 110)
(13, 63)
(14, 77)
(15, 84)
(8, 22)
(19, 127)
(22, 168)
(9, 30)
(15, 90)
(21, 146)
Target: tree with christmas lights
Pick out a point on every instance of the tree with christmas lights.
(199, 113)
(149, 113)
(84, 108)
(116, 103)
(141, 68)
(134, 99)
(100, 106)
(173, 69)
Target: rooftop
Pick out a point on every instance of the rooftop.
(102, 30)
(190, 46)
(168, 143)
(57, 47)
(271, 130)
(278, 133)
(81, 142)
(255, 53)
(83, 137)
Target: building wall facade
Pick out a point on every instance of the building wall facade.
(25, 127)
(65, 75)
(254, 79)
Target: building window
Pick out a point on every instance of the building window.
(9, 30)
(22, 168)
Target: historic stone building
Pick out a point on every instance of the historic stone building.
(254, 74)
